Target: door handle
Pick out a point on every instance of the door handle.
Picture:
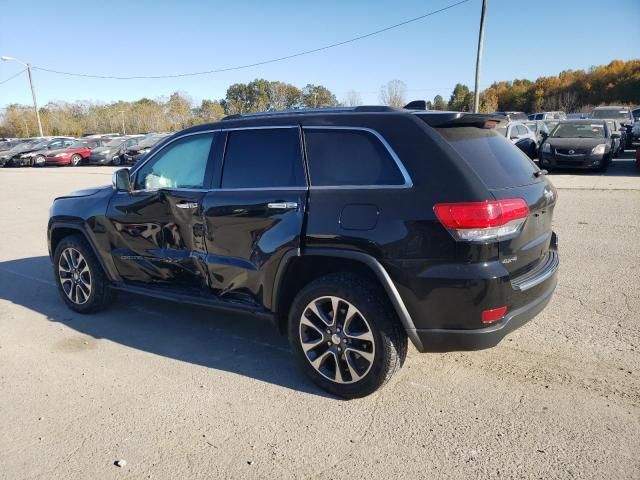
(283, 205)
(187, 205)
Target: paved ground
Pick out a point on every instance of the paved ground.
(189, 393)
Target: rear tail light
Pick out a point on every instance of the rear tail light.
(493, 315)
(483, 221)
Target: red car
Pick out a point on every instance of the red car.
(74, 154)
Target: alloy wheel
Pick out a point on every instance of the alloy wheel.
(75, 160)
(74, 275)
(337, 340)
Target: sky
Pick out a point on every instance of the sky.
(523, 39)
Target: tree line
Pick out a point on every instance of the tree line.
(571, 90)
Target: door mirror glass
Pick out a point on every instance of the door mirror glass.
(121, 181)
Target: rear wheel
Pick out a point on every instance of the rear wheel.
(76, 159)
(81, 282)
(38, 161)
(116, 160)
(345, 335)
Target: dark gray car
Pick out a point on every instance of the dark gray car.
(585, 144)
(111, 153)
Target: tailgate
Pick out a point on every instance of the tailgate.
(525, 251)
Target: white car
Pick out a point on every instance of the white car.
(521, 136)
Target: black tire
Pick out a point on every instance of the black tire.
(38, 161)
(117, 161)
(75, 160)
(100, 294)
(390, 339)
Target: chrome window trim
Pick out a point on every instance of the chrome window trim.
(408, 183)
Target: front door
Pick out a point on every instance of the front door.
(256, 216)
(158, 232)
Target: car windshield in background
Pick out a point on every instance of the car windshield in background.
(79, 144)
(578, 130)
(116, 142)
(150, 141)
(611, 113)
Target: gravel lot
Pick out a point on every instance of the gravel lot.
(183, 392)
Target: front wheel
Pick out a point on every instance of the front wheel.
(345, 335)
(81, 282)
(76, 159)
(116, 161)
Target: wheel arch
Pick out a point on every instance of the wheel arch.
(57, 231)
(296, 271)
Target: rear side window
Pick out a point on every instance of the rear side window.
(497, 162)
(338, 157)
(263, 158)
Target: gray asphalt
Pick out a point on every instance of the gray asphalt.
(182, 392)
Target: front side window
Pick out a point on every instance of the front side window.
(347, 157)
(182, 164)
(263, 158)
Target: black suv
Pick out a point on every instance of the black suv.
(350, 229)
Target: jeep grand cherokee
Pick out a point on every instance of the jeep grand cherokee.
(352, 230)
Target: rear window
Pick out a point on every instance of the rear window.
(339, 157)
(497, 162)
(616, 113)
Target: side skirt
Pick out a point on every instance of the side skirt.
(176, 296)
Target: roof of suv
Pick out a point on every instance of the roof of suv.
(348, 116)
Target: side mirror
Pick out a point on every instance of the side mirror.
(121, 181)
(544, 135)
(514, 136)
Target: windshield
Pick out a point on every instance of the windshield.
(578, 130)
(78, 144)
(611, 113)
(150, 141)
(116, 142)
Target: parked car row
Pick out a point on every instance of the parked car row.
(615, 127)
(88, 150)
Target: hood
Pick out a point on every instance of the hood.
(86, 192)
(578, 143)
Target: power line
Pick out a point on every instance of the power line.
(12, 76)
(264, 62)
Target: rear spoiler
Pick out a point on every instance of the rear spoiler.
(461, 119)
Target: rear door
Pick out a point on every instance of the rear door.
(158, 230)
(509, 173)
(255, 217)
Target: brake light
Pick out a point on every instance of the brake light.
(483, 221)
(493, 314)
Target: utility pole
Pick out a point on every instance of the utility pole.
(33, 91)
(476, 95)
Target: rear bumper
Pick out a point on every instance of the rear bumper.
(446, 303)
(445, 340)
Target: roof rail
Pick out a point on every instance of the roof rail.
(300, 111)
